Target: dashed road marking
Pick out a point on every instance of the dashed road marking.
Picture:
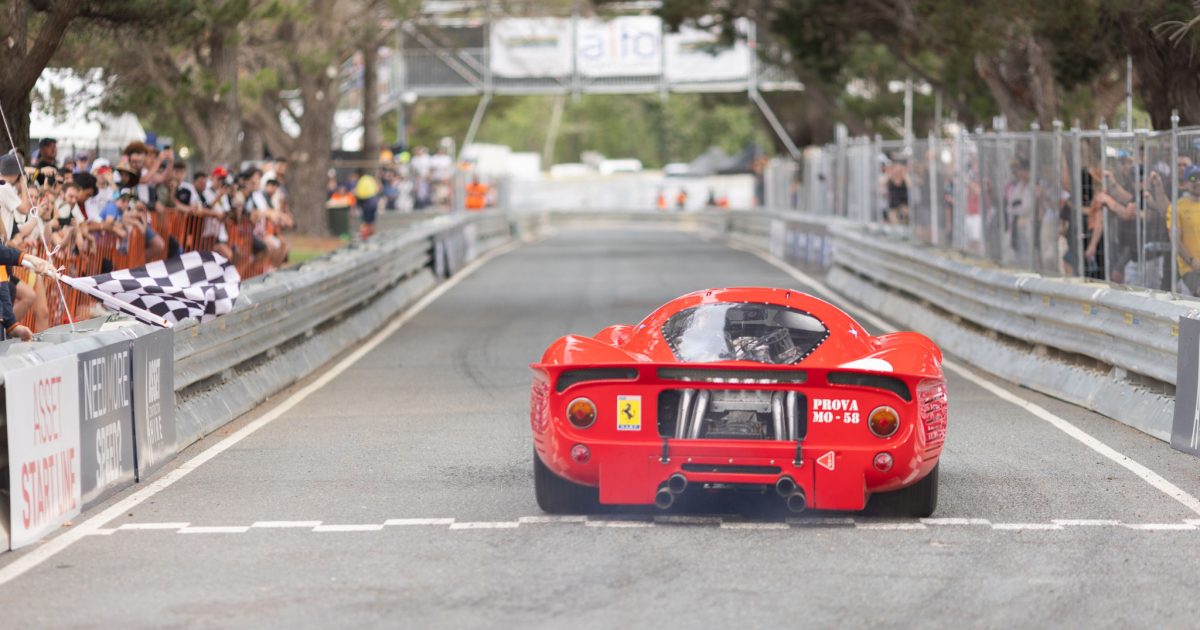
(486, 525)
(392, 522)
(215, 529)
(367, 527)
(666, 520)
(1023, 526)
(956, 521)
(154, 525)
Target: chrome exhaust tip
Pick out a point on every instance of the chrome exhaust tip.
(797, 502)
(785, 487)
(677, 483)
(664, 498)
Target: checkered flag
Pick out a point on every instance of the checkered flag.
(199, 285)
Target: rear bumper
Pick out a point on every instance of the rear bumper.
(833, 477)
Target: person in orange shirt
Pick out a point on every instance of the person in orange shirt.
(477, 194)
(662, 200)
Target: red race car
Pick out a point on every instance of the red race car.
(742, 389)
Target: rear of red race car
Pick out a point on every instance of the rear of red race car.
(820, 438)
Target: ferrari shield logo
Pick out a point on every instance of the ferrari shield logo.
(629, 413)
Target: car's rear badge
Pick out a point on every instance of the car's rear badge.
(629, 413)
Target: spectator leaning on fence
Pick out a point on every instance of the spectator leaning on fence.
(1187, 240)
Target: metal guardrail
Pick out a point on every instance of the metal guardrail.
(1135, 330)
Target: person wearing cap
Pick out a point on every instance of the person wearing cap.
(83, 162)
(15, 301)
(47, 153)
(1187, 238)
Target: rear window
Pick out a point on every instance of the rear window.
(764, 333)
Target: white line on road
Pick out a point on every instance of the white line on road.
(1160, 526)
(1085, 522)
(486, 525)
(889, 526)
(234, 529)
(285, 524)
(1147, 475)
(956, 521)
(747, 525)
(592, 523)
(40, 554)
(1021, 526)
(537, 520)
(363, 527)
(154, 525)
(418, 521)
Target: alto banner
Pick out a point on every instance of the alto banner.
(42, 403)
(628, 46)
(696, 55)
(106, 423)
(154, 400)
(531, 47)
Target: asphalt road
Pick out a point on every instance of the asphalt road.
(290, 527)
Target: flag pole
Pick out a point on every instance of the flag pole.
(140, 313)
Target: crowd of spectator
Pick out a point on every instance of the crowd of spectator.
(92, 215)
(1026, 203)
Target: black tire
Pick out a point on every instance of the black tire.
(916, 501)
(556, 495)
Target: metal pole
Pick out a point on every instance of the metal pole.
(1139, 155)
(1174, 209)
(1057, 181)
(1128, 92)
(1077, 198)
(908, 114)
(1108, 235)
(934, 161)
(1034, 217)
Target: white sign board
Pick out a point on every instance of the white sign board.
(531, 47)
(43, 448)
(696, 56)
(628, 46)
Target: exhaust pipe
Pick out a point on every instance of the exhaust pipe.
(677, 484)
(797, 502)
(664, 498)
(785, 487)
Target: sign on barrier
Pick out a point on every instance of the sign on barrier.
(44, 481)
(1185, 435)
(154, 400)
(106, 424)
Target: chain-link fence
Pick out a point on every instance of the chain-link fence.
(1117, 206)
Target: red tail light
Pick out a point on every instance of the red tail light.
(581, 413)
(883, 462)
(931, 401)
(581, 454)
(539, 406)
(883, 422)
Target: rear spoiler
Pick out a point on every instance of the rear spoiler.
(727, 376)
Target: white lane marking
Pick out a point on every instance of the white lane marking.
(1160, 526)
(355, 527)
(537, 520)
(418, 521)
(681, 519)
(40, 554)
(592, 523)
(1147, 475)
(748, 525)
(956, 521)
(889, 526)
(103, 532)
(207, 529)
(1085, 522)
(1192, 521)
(486, 525)
(154, 525)
(284, 524)
(822, 522)
(1023, 526)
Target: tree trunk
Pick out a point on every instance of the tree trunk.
(17, 106)
(370, 96)
(311, 160)
(224, 118)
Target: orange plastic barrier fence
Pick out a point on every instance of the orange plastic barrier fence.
(106, 251)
